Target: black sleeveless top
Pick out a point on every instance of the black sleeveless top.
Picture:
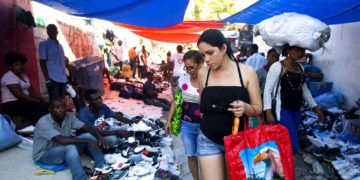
(217, 122)
(291, 91)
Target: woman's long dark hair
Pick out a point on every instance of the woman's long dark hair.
(215, 38)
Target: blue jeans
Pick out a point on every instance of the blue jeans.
(70, 153)
(189, 135)
(291, 120)
(111, 141)
(206, 147)
(159, 102)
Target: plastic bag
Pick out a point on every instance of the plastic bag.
(263, 152)
(330, 100)
(8, 137)
(294, 29)
(176, 121)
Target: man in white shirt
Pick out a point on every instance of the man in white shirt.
(178, 67)
(119, 54)
(255, 59)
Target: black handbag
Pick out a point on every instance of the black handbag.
(273, 100)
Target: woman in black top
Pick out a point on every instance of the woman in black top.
(228, 89)
(289, 76)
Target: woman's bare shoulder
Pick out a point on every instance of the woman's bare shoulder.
(247, 69)
(203, 71)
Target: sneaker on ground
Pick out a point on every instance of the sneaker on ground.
(27, 129)
(120, 166)
(104, 169)
(119, 174)
(138, 171)
(114, 158)
(140, 126)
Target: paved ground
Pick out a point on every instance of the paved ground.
(181, 159)
(16, 164)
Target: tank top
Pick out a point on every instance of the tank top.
(291, 98)
(215, 123)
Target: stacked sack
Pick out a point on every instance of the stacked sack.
(295, 30)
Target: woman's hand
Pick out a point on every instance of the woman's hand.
(319, 113)
(270, 117)
(168, 127)
(237, 107)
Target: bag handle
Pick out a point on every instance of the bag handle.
(236, 122)
(278, 82)
(256, 115)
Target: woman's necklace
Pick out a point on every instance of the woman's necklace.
(290, 83)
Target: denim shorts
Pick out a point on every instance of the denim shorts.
(189, 135)
(208, 148)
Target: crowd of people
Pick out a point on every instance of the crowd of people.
(215, 88)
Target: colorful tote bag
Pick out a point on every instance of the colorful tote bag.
(263, 152)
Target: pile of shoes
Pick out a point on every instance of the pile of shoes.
(327, 143)
(146, 155)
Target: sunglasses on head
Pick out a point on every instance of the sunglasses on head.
(190, 68)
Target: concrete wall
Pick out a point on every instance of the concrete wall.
(339, 61)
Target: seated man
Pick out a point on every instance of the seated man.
(96, 110)
(53, 143)
(151, 94)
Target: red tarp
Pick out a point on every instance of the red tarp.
(185, 32)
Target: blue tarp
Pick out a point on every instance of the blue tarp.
(328, 11)
(145, 13)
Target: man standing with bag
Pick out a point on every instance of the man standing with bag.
(52, 62)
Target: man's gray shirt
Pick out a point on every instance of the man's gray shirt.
(46, 129)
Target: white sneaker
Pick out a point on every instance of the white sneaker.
(120, 166)
(138, 171)
(139, 149)
(166, 141)
(104, 169)
(315, 141)
(115, 158)
(140, 126)
(28, 129)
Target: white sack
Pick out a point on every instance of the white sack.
(294, 29)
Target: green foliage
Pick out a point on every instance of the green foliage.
(212, 9)
(218, 7)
